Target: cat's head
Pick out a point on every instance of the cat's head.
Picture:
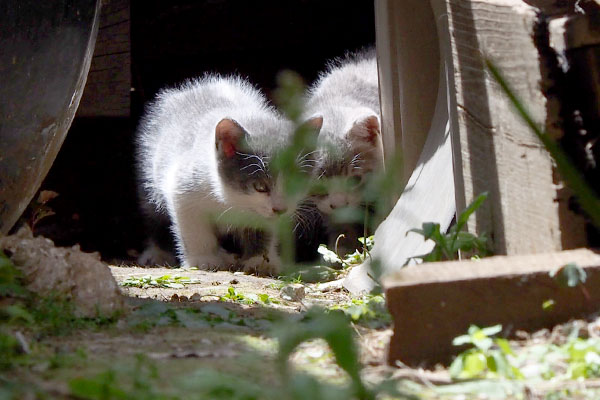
(243, 165)
(346, 161)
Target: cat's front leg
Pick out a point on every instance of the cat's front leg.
(266, 263)
(196, 241)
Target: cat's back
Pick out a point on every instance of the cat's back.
(184, 117)
(348, 81)
(195, 101)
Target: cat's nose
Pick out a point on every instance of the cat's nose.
(279, 209)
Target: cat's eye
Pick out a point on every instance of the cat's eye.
(261, 187)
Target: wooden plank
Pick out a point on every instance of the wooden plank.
(494, 150)
(107, 92)
(409, 69)
(433, 303)
(429, 192)
(389, 86)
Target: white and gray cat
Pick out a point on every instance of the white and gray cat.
(204, 151)
(347, 97)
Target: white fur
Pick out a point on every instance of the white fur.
(178, 161)
(345, 94)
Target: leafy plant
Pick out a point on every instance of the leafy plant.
(233, 295)
(358, 257)
(369, 310)
(141, 383)
(154, 314)
(450, 245)
(266, 299)
(334, 329)
(488, 358)
(39, 208)
(165, 281)
(569, 275)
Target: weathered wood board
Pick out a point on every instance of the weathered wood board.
(108, 88)
(494, 150)
(433, 303)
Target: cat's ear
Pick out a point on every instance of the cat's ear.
(365, 133)
(229, 137)
(309, 130)
(314, 123)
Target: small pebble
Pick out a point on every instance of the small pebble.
(234, 281)
(196, 297)
(175, 297)
(293, 292)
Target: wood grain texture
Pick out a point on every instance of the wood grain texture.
(389, 87)
(107, 92)
(408, 51)
(496, 151)
(433, 303)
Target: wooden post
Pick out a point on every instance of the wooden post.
(494, 150)
(408, 55)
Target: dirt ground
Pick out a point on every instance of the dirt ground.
(187, 333)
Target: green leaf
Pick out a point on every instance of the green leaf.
(475, 363)
(504, 346)
(548, 305)
(464, 216)
(569, 275)
(492, 330)
(328, 256)
(461, 340)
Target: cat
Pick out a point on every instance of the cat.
(203, 151)
(346, 96)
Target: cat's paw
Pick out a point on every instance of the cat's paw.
(206, 262)
(262, 265)
(154, 255)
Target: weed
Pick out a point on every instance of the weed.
(155, 314)
(39, 209)
(569, 275)
(335, 330)
(577, 358)
(165, 281)
(489, 358)
(140, 383)
(369, 310)
(266, 299)
(449, 246)
(234, 296)
(358, 257)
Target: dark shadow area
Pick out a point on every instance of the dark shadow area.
(578, 122)
(94, 176)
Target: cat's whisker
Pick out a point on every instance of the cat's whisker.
(223, 213)
(262, 164)
(306, 155)
(252, 165)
